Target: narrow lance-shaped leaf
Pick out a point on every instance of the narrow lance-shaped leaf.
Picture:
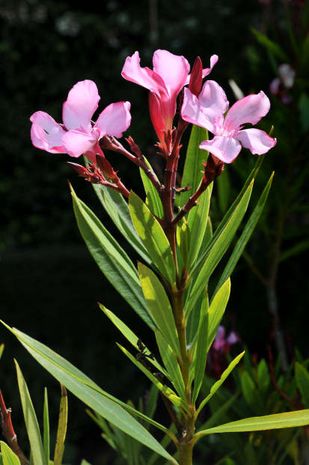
(31, 421)
(193, 168)
(201, 352)
(216, 310)
(8, 456)
(159, 306)
(46, 427)
(302, 381)
(214, 388)
(246, 234)
(152, 195)
(197, 221)
(153, 237)
(216, 249)
(112, 409)
(131, 337)
(62, 427)
(117, 208)
(111, 258)
(262, 423)
(166, 391)
(171, 364)
(250, 178)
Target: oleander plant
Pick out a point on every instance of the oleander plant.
(176, 271)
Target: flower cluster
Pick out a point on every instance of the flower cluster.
(202, 105)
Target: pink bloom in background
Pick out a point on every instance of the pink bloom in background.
(208, 111)
(78, 134)
(169, 75)
(223, 343)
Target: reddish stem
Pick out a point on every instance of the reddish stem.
(110, 143)
(9, 432)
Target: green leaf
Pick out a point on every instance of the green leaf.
(153, 198)
(130, 336)
(32, 425)
(216, 310)
(1, 350)
(117, 208)
(153, 237)
(159, 306)
(272, 47)
(199, 361)
(263, 377)
(171, 364)
(197, 221)
(216, 249)
(246, 233)
(8, 456)
(106, 405)
(112, 260)
(214, 388)
(302, 381)
(166, 391)
(296, 249)
(249, 389)
(46, 428)
(62, 427)
(262, 423)
(219, 412)
(193, 168)
(224, 190)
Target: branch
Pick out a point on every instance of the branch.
(9, 432)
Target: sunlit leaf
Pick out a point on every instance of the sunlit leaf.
(32, 425)
(106, 405)
(118, 210)
(193, 169)
(214, 388)
(159, 306)
(262, 423)
(153, 237)
(8, 456)
(62, 427)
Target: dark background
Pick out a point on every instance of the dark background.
(49, 283)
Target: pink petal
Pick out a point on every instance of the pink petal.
(46, 133)
(78, 142)
(224, 148)
(80, 105)
(145, 77)
(173, 69)
(214, 100)
(213, 61)
(257, 141)
(114, 119)
(249, 109)
(161, 115)
(193, 112)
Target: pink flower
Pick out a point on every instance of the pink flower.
(78, 134)
(223, 343)
(208, 109)
(169, 75)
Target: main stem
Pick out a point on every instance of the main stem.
(187, 419)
